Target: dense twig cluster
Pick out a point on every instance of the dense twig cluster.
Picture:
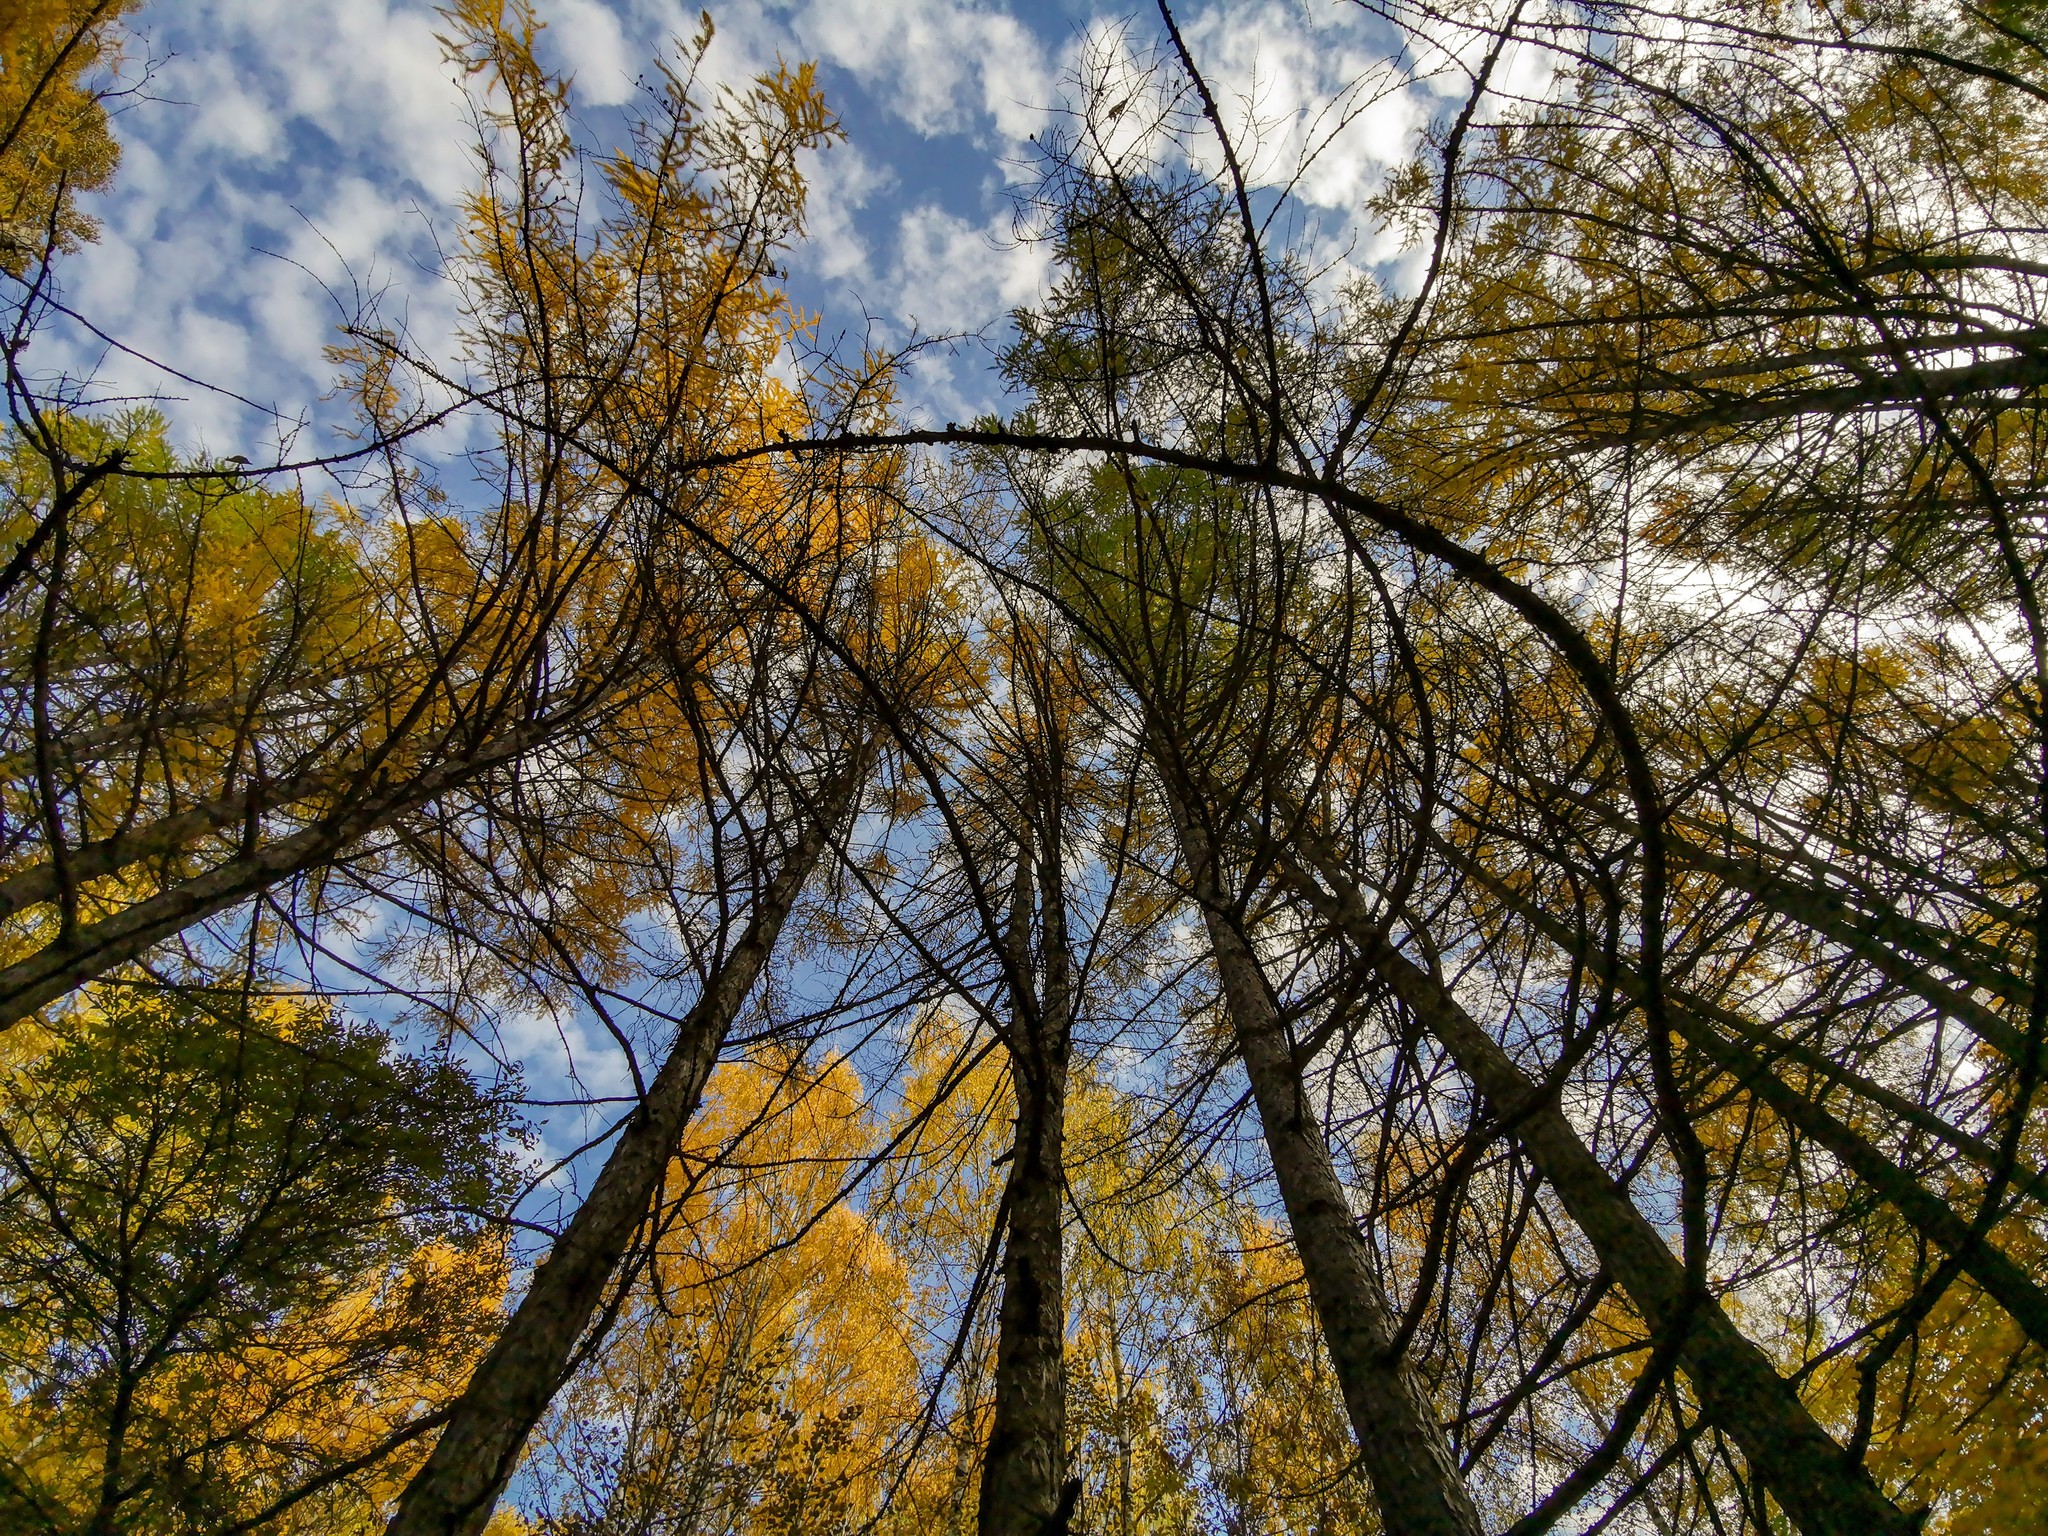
(1495, 825)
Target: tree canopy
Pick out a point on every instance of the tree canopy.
(1408, 897)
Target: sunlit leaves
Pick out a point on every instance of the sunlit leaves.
(241, 1240)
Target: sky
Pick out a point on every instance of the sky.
(280, 159)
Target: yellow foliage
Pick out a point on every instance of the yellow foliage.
(55, 59)
(766, 1366)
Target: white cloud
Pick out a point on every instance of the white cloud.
(312, 133)
(952, 276)
(940, 66)
(335, 136)
(592, 45)
(1310, 98)
(843, 181)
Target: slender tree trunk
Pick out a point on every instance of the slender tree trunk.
(1928, 1214)
(96, 948)
(1870, 931)
(963, 1474)
(1897, 949)
(455, 1491)
(1414, 1476)
(1024, 1489)
(1740, 1391)
(106, 1518)
(1126, 1516)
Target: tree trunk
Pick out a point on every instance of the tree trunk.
(1024, 1488)
(1414, 1476)
(1928, 1214)
(455, 1491)
(67, 963)
(1126, 1516)
(1740, 1391)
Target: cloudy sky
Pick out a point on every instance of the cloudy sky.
(283, 154)
(282, 158)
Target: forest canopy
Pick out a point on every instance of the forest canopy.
(1404, 896)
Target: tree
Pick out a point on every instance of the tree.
(56, 64)
(1202, 1394)
(458, 1486)
(474, 638)
(761, 1376)
(246, 1246)
(1198, 348)
(1025, 1487)
(1568, 733)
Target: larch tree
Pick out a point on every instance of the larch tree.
(1371, 431)
(1438, 883)
(1025, 1487)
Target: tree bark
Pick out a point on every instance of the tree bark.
(1928, 1214)
(1739, 1390)
(64, 964)
(456, 1489)
(1024, 1488)
(1408, 1461)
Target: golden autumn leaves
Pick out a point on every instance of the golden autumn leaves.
(1569, 737)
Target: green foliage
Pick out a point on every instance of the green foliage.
(236, 1236)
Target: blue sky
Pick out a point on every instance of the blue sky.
(279, 147)
(283, 153)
